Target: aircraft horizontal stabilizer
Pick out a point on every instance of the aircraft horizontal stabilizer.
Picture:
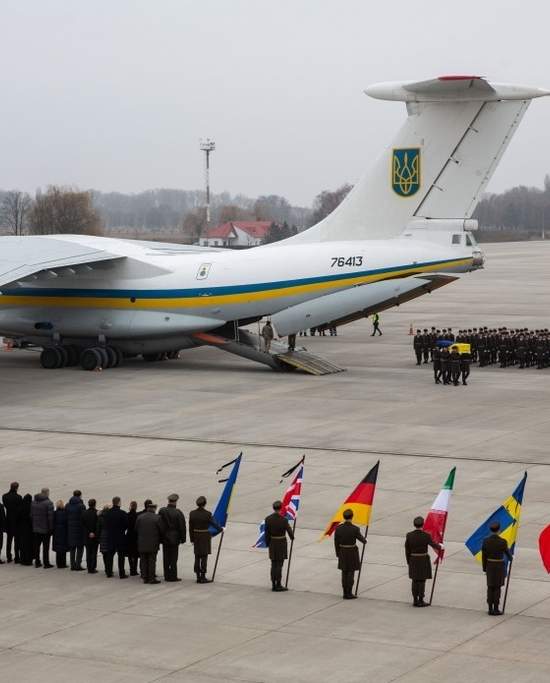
(21, 257)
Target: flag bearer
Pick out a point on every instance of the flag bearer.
(345, 545)
(200, 521)
(276, 530)
(493, 550)
(418, 559)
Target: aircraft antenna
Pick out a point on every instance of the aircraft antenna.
(207, 146)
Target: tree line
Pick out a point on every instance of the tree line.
(180, 214)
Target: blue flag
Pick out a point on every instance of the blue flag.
(507, 515)
(220, 513)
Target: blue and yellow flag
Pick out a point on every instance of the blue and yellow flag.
(220, 512)
(507, 515)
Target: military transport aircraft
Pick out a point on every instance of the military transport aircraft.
(404, 230)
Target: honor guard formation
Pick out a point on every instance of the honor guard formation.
(82, 531)
(452, 355)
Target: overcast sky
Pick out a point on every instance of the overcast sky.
(115, 94)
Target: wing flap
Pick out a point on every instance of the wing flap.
(21, 257)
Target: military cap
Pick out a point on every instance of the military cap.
(418, 522)
(495, 526)
(347, 514)
(173, 497)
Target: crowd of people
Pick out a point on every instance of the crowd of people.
(34, 525)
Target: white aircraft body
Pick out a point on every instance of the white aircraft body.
(399, 233)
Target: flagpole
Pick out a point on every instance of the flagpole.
(435, 578)
(217, 557)
(290, 553)
(361, 565)
(507, 585)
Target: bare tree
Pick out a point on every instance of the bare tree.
(63, 210)
(194, 224)
(325, 202)
(14, 209)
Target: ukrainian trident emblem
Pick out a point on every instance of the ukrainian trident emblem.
(405, 175)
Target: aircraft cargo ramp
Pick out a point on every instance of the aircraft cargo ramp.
(248, 345)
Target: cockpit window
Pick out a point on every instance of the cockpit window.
(469, 242)
(456, 239)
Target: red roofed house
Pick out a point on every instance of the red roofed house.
(236, 234)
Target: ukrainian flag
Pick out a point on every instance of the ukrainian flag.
(507, 515)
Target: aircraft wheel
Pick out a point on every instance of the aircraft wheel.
(119, 356)
(50, 359)
(103, 355)
(90, 359)
(173, 355)
(111, 357)
(62, 355)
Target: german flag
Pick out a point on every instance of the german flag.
(360, 501)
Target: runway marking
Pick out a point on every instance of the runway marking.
(259, 444)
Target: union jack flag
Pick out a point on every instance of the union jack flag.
(290, 501)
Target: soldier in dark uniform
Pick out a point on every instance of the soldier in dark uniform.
(200, 521)
(418, 342)
(418, 559)
(454, 359)
(436, 357)
(426, 345)
(445, 365)
(345, 545)
(493, 550)
(276, 530)
(174, 532)
(465, 361)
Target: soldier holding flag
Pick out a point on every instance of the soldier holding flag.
(276, 530)
(493, 550)
(345, 545)
(416, 553)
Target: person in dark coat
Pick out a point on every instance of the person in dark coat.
(12, 504)
(436, 358)
(200, 521)
(345, 544)
(418, 559)
(276, 530)
(148, 530)
(76, 533)
(465, 362)
(2, 529)
(445, 365)
(454, 359)
(60, 535)
(24, 532)
(131, 539)
(90, 524)
(174, 532)
(103, 536)
(493, 550)
(116, 523)
(418, 343)
(42, 527)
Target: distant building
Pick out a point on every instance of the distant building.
(236, 234)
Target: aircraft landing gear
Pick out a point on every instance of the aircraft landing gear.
(164, 355)
(102, 357)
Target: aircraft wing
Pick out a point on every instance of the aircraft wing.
(21, 257)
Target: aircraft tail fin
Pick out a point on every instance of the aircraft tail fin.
(440, 161)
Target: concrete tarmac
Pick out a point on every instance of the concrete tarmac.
(146, 430)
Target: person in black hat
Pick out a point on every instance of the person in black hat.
(493, 550)
(418, 559)
(200, 521)
(148, 530)
(276, 530)
(174, 532)
(345, 545)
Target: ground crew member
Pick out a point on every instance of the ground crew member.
(276, 530)
(173, 532)
(292, 341)
(454, 359)
(493, 550)
(376, 324)
(418, 559)
(345, 545)
(465, 361)
(200, 521)
(267, 334)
